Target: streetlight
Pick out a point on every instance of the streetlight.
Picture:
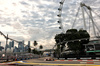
(6, 48)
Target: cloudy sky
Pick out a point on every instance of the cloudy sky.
(31, 20)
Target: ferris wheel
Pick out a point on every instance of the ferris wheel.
(85, 10)
(60, 16)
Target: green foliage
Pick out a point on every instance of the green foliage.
(37, 52)
(84, 34)
(41, 52)
(72, 34)
(29, 50)
(57, 51)
(41, 47)
(62, 47)
(35, 43)
(34, 51)
(59, 38)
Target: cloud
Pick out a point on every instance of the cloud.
(37, 19)
(24, 3)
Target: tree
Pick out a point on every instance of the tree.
(37, 52)
(35, 43)
(84, 34)
(72, 34)
(41, 52)
(41, 47)
(57, 51)
(59, 38)
(29, 50)
(34, 51)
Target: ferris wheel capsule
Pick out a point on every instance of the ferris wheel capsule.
(61, 2)
(59, 21)
(59, 9)
(60, 28)
(59, 15)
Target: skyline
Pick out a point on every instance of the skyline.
(31, 20)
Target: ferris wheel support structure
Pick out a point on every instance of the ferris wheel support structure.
(83, 16)
(90, 16)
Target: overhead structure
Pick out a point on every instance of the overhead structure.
(6, 37)
(83, 16)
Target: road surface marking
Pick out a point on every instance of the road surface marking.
(61, 64)
(21, 62)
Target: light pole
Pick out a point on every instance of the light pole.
(6, 48)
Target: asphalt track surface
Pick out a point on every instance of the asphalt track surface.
(20, 63)
(41, 62)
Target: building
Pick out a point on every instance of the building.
(13, 43)
(21, 46)
(26, 48)
(0, 43)
(1, 47)
(93, 47)
(16, 49)
(10, 45)
(6, 46)
(28, 43)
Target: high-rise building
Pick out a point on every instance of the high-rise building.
(16, 49)
(1, 47)
(21, 46)
(26, 48)
(10, 45)
(0, 43)
(13, 43)
(28, 43)
(6, 46)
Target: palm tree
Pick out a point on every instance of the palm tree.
(41, 47)
(35, 43)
